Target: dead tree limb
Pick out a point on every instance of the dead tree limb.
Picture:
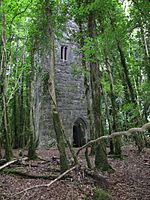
(7, 164)
(12, 162)
(115, 134)
(46, 185)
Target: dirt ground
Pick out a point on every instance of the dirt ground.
(130, 181)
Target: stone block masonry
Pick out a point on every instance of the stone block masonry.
(69, 93)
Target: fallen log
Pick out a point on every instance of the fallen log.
(29, 176)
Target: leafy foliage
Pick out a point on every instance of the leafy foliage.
(119, 24)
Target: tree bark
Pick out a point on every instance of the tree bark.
(87, 88)
(6, 128)
(129, 132)
(56, 117)
(32, 139)
(126, 73)
(117, 140)
(100, 151)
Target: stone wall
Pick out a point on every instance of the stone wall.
(69, 93)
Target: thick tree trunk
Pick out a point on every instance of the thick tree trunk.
(32, 139)
(56, 117)
(87, 88)
(100, 152)
(60, 141)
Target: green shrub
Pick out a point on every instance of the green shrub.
(99, 194)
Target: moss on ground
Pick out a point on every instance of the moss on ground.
(99, 194)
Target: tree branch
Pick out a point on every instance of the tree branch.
(115, 134)
(12, 162)
(7, 164)
(46, 185)
(19, 13)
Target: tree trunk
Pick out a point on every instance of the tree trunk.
(87, 89)
(100, 151)
(56, 117)
(146, 51)
(109, 121)
(6, 128)
(126, 73)
(117, 140)
(32, 139)
(21, 111)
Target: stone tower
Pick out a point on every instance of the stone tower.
(69, 93)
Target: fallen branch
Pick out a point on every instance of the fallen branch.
(46, 185)
(8, 163)
(115, 134)
(12, 162)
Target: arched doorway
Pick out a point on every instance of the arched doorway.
(79, 133)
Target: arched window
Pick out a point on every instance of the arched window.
(64, 53)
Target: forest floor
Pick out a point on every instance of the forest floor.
(130, 181)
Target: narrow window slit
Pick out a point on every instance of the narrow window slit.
(64, 53)
(65, 56)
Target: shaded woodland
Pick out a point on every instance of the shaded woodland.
(113, 37)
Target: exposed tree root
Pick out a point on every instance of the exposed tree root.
(29, 176)
(101, 179)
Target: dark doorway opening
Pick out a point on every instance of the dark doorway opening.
(79, 133)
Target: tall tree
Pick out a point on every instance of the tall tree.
(100, 153)
(3, 76)
(49, 6)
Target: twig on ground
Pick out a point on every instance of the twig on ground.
(46, 185)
